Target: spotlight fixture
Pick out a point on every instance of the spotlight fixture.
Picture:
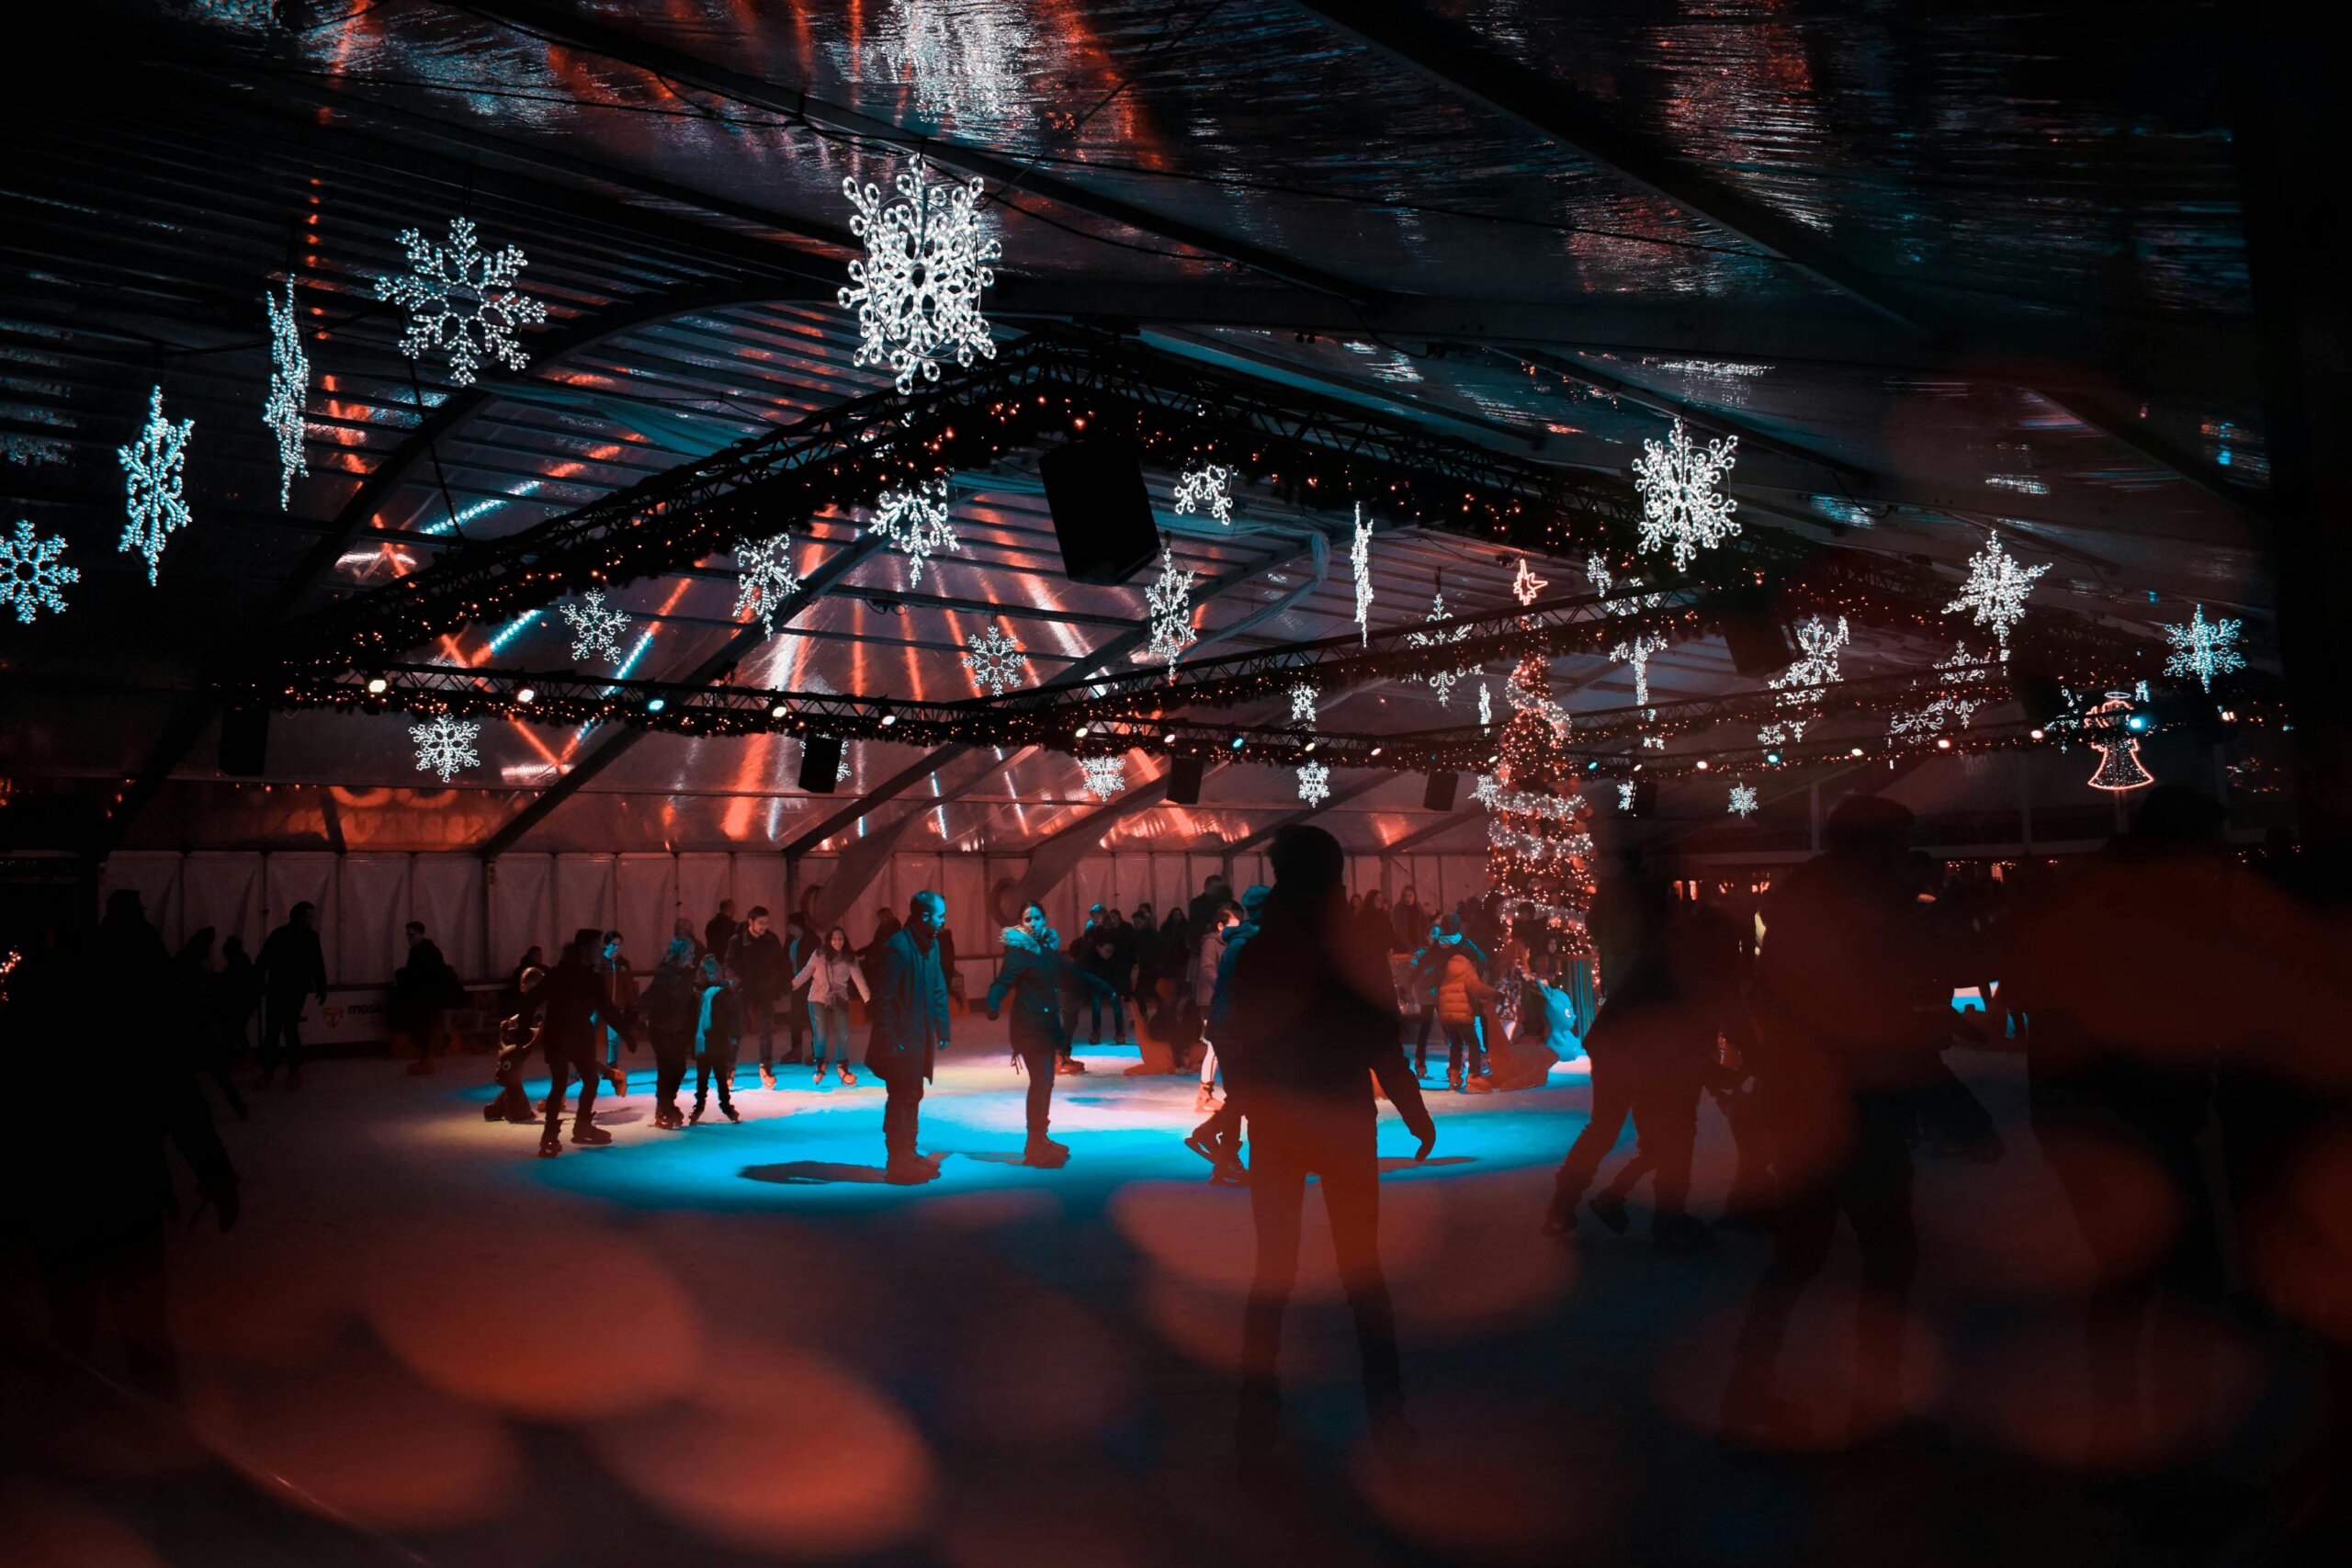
(1239, 741)
(657, 704)
(2037, 733)
(377, 685)
(1774, 758)
(1080, 732)
(2136, 722)
(889, 719)
(1702, 764)
(527, 695)
(776, 712)
(1943, 742)
(1857, 750)
(1375, 750)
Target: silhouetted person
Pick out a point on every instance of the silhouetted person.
(756, 960)
(909, 1013)
(1218, 1139)
(718, 932)
(574, 1004)
(424, 989)
(202, 1005)
(1849, 1021)
(293, 966)
(1627, 923)
(716, 1034)
(240, 993)
(671, 1007)
(1313, 1023)
(1031, 976)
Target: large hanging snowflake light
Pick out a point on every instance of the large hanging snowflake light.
(1359, 557)
(290, 388)
(1170, 604)
(1801, 683)
(917, 288)
(1441, 682)
(1996, 591)
(1636, 652)
(1302, 706)
(2203, 648)
(916, 521)
(1206, 491)
(596, 630)
(994, 659)
(764, 578)
(155, 507)
(1105, 776)
(446, 746)
(1314, 783)
(1742, 800)
(31, 573)
(1683, 507)
(1946, 709)
(461, 301)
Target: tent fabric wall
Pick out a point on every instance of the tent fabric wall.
(223, 891)
(702, 883)
(289, 880)
(444, 892)
(371, 907)
(647, 908)
(583, 894)
(522, 908)
(156, 879)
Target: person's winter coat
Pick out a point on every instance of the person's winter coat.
(1033, 976)
(832, 977)
(720, 1023)
(671, 1007)
(1460, 992)
(293, 965)
(910, 1006)
(758, 962)
(573, 997)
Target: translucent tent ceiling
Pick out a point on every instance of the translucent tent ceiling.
(1943, 273)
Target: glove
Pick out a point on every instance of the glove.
(992, 1015)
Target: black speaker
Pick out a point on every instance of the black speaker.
(1184, 781)
(1644, 798)
(1438, 796)
(1102, 511)
(1758, 645)
(244, 743)
(821, 763)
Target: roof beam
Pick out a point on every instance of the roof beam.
(864, 861)
(1339, 797)
(1444, 824)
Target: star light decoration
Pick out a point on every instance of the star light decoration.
(917, 288)
(1636, 652)
(446, 746)
(1170, 604)
(461, 301)
(916, 522)
(290, 386)
(1105, 776)
(1314, 783)
(1742, 800)
(1800, 684)
(2203, 648)
(1525, 586)
(155, 508)
(31, 573)
(1441, 682)
(1683, 507)
(764, 578)
(1359, 557)
(995, 661)
(1996, 591)
(1206, 491)
(596, 630)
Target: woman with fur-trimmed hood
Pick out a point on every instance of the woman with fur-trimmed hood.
(1034, 972)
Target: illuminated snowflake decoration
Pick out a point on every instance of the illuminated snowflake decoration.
(596, 630)
(1742, 800)
(1654, 742)
(1636, 651)
(1170, 604)
(1683, 507)
(1302, 706)
(995, 661)
(1800, 684)
(155, 508)
(461, 301)
(1206, 491)
(1596, 571)
(764, 578)
(1105, 776)
(31, 573)
(1525, 586)
(917, 288)
(1996, 591)
(1359, 557)
(446, 746)
(1441, 682)
(1486, 790)
(1945, 710)
(1625, 795)
(1486, 707)
(1314, 783)
(916, 522)
(2203, 648)
(289, 385)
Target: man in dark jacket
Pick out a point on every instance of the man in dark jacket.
(718, 932)
(1034, 972)
(1313, 1022)
(909, 1011)
(577, 1003)
(424, 989)
(756, 958)
(293, 966)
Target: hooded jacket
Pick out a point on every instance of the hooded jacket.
(1032, 975)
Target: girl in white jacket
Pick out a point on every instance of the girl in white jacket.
(830, 975)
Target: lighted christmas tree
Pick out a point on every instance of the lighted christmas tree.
(1539, 855)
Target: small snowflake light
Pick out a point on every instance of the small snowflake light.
(1525, 586)
(1486, 707)
(290, 388)
(1636, 652)
(596, 631)
(1359, 557)
(461, 301)
(2203, 648)
(917, 288)
(1800, 685)
(1302, 706)
(994, 659)
(1105, 776)
(1996, 591)
(1206, 491)
(1170, 604)
(1487, 790)
(446, 746)
(31, 573)
(1683, 507)
(1625, 795)
(916, 522)
(1742, 800)
(1441, 682)
(764, 578)
(1596, 571)
(155, 507)
(1314, 783)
